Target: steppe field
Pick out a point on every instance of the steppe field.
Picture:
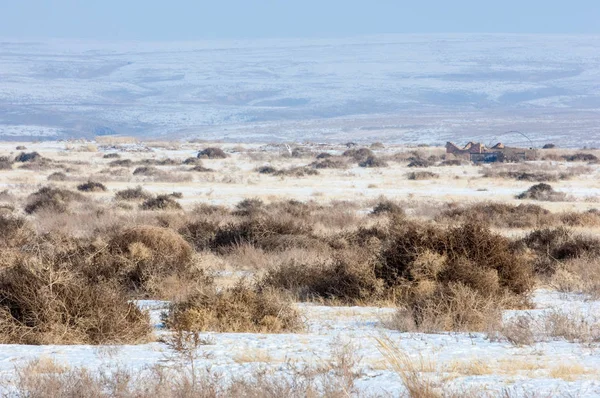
(207, 269)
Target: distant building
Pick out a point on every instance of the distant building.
(478, 152)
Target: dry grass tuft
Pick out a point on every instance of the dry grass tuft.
(51, 199)
(91, 186)
(239, 309)
(161, 202)
(136, 193)
(212, 153)
(543, 192)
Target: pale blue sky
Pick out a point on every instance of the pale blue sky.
(198, 19)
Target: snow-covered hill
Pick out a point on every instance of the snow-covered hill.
(400, 88)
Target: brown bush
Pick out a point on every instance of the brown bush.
(51, 199)
(141, 258)
(543, 192)
(387, 207)
(44, 301)
(5, 163)
(502, 215)
(212, 153)
(91, 186)
(267, 232)
(329, 163)
(418, 162)
(581, 157)
(57, 176)
(240, 309)
(147, 171)
(136, 193)
(555, 245)
(470, 254)
(161, 202)
(373, 161)
(349, 277)
(14, 231)
(193, 161)
(201, 234)
(201, 169)
(422, 175)
(452, 162)
(359, 154)
(113, 155)
(297, 172)
(324, 155)
(121, 163)
(159, 162)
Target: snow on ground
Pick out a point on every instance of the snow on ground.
(458, 360)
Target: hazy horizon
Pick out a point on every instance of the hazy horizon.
(153, 20)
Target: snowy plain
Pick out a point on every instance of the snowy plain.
(447, 357)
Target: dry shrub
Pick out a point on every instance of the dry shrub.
(301, 171)
(45, 301)
(159, 162)
(454, 307)
(91, 186)
(113, 155)
(324, 155)
(578, 275)
(452, 162)
(422, 175)
(161, 202)
(57, 176)
(136, 193)
(143, 258)
(201, 169)
(373, 161)
(348, 277)
(5, 163)
(51, 199)
(14, 231)
(359, 154)
(249, 207)
(329, 163)
(192, 161)
(121, 163)
(212, 153)
(573, 327)
(502, 215)
(201, 234)
(28, 157)
(387, 207)
(418, 162)
(581, 157)
(147, 171)
(543, 192)
(555, 245)
(377, 145)
(266, 169)
(240, 309)
(442, 272)
(267, 232)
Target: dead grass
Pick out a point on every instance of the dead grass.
(136, 193)
(238, 309)
(161, 202)
(45, 301)
(543, 192)
(51, 199)
(91, 186)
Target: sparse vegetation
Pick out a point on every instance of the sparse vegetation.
(91, 186)
(212, 153)
(542, 191)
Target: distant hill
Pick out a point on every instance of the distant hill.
(397, 88)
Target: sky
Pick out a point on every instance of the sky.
(155, 20)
